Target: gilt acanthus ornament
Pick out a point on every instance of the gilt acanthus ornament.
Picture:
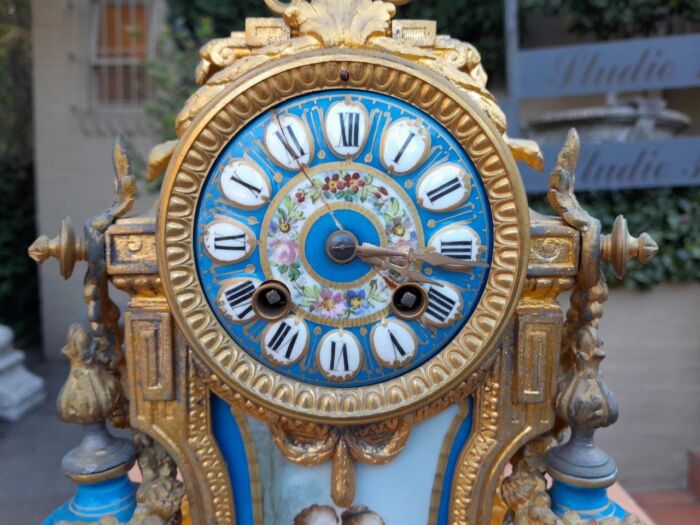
(343, 446)
(310, 25)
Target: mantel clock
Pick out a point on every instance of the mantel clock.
(343, 309)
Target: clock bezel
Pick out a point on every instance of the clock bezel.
(258, 91)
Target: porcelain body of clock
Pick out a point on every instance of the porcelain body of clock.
(268, 203)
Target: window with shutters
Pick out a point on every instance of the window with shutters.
(121, 47)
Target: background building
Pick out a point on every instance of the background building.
(90, 84)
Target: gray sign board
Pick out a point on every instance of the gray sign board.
(618, 66)
(674, 162)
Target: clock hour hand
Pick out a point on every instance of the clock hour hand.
(410, 275)
(431, 258)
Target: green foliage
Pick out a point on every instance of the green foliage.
(193, 22)
(225, 15)
(479, 22)
(172, 73)
(613, 19)
(18, 274)
(670, 215)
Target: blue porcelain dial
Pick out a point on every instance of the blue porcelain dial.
(369, 219)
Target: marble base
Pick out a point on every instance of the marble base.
(20, 390)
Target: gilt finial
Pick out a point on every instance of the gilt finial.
(619, 247)
(65, 247)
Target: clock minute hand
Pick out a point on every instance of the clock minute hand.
(438, 259)
(302, 168)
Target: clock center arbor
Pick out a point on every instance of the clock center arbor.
(343, 308)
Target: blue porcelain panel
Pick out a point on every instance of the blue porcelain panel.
(230, 440)
(459, 441)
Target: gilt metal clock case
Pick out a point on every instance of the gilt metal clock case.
(227, 336)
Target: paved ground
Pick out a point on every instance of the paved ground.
(671, 507)
(32, 483)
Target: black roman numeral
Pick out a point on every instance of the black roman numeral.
(230, 242)
(253, 189)
(293, 148)
(280, 337)
(439, 305)
(444, 189)
(240, 296)
(349, 129)
(335, 360)
(398, 349)
(408, 140)
(457, 249)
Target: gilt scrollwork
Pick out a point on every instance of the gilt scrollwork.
(93, 392)
(102, 312)
(343, 446)
(584, 402)
(321, 24)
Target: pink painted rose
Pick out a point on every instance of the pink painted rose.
(285, 252)
(330, 303)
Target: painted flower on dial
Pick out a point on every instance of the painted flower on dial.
(285, 224)
(349, 187)
(354, 182)
(398, 225)
(333, 183)
(284, 257)
(330, 303)
(356, 299)
(285, 251)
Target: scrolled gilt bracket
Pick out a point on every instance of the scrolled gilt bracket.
(68, 249)
(584, 401)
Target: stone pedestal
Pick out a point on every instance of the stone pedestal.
(20, 390)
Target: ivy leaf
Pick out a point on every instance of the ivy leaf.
(294, 272)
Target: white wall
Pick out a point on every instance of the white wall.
(73, 170)
(652, 342)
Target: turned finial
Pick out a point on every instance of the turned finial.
(65, 247)
(619, 247)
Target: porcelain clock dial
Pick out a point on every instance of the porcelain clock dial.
(343, 238)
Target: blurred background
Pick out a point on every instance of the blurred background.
(626, 73)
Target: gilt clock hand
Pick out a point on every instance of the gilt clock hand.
(431, 258)
(410, 275)
(302, 168)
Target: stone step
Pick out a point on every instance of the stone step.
(694, 473)
(670, 507)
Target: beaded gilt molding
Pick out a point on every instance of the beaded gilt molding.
(233, 109)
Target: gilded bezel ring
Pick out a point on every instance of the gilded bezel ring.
(264, 88)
